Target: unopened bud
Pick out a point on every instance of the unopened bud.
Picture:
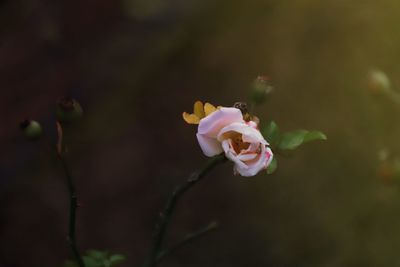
(68, 110)
(31, 129)
(378, 82)
(261, 87)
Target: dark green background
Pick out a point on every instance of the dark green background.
(135, 65)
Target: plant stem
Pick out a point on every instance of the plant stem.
(73, 205)
(187, 239)
(165, 215)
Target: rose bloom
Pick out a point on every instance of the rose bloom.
(225, 131)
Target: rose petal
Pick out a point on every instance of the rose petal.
(255, 166)
(211, 125)
(252, 124)
(249, 134)
(231, 154)
(249, 161)
(269, 155)
(210, 146)
(246, 157)
(252, 168)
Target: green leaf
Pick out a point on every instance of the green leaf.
(272, 166)
(117, 259)
(97, 254)
(271, 133)
(96, 258)
(292, 140)
(91, 262)
(106, 263)
(314, 135)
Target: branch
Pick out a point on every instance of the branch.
(169, 208)
(73, 201)
(187, 239)
(73, 205)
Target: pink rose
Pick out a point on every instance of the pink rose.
(225, 131)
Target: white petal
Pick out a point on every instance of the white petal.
(252, 124)
(210, 146)
(246, 157)
(258, 164)
(254, 166)
(231, 154)
(249, 134)
(213, 123)
(253, 147)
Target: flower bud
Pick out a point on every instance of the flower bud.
(31, 129)
(68, 110)
(378, 82)
(261, 87)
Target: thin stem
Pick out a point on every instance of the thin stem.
(73, 205)
(187, 239)
(165, 215)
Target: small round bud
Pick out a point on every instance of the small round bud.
(261, 87)
(68, 110)
(378, 82)
(31, 129)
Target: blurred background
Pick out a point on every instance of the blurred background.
(136, 65)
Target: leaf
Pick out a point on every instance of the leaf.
(272, 166)
(106, 263)
(91, 262)
(97, 254)
(292, 140)
(117, 259)
(271, 133)
(314, 135)
(97, 258)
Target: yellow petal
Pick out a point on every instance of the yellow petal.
(208, 108)
(199, 109)
(190, 118)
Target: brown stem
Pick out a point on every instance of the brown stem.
(165, 215)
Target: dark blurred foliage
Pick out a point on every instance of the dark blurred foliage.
(135, 65)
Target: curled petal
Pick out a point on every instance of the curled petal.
(247, 157)
(254, 166)
(251, 159)
(211, 125)
(231, 154)
(210, 146)
(249, 134)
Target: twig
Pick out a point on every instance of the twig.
(73, 201)
(187, 239)
(169, 208)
